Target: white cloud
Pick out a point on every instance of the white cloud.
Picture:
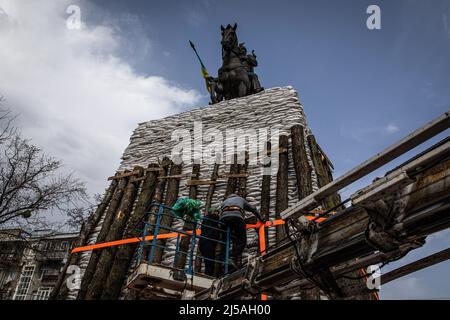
(78, 99)
(391, 128)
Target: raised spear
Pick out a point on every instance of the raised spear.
(205, 73)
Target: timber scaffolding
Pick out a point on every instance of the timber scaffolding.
(307, 260)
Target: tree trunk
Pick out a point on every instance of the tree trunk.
(125, 253)
(209, 197)
(242, 168)
(304, 184)
(121, 217)
(301, 165)
(231, 188)
(231, 185)
(188, 226)
(158, 198)
(173, 187)
(60, 291)
(282, 185)
(265, 193)
(95, 255)
(322, 172)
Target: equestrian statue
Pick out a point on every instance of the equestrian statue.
(236, 78)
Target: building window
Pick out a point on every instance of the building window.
(24, 282)
(44, 271)
(43, 293)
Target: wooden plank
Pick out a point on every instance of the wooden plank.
(200, 182)
(234, 175)
(175, 176)
(123, 175)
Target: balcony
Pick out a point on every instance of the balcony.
(50, 255)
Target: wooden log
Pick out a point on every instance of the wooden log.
(304, 184)
(265, 193)
(173, 187)
(234, 175)
(107, 221)
(125, 253)
(116, 231)
(209, 197)
(301, 165)
(124, 175)
(242, 169)
(322, 171)
(231, 188)
(187, 226)
(282, 186)
(231, 185)
(199, 182)
(60, 291)
(159, 198)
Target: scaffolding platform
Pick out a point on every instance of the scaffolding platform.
(158, 281)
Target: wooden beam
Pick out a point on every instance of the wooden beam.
(200, 182)
(302, 168)
(180, 258)
(234, 175)
(397, 149)
(232, 183)
(282, 199)
(265, 193)
(173, 187)
(209, 197)
(124, 175)
(420, 264)
(176, 176)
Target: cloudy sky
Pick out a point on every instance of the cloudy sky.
(81, 92)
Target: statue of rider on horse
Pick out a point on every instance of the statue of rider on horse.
(236, 78)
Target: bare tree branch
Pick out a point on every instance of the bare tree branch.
(32, 183)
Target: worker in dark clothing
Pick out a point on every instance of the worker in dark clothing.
(232, 215)
(210, 234)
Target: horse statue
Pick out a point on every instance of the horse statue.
(233, 78)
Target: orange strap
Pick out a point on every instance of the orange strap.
(174, 235)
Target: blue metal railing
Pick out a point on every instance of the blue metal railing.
(157, 216)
